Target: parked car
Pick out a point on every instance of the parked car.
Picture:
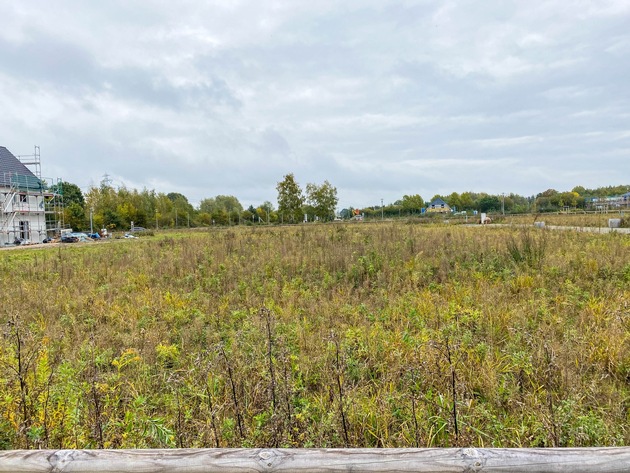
(80, 236)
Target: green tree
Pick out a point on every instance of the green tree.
(489, 203)
(181, 207)
(165, 214)
(266, 212)
(290, 199)
(223, 209)
(74, 216)
(412, 204)
(454, 201)
(226, 203)
(466, 201)
(580, 190)
(323, 199)
(127, 213)
(71, 193)
(204, 218)
(103, 201)
(175, 196)
(515, 203)
(145, 203)
(548, 201)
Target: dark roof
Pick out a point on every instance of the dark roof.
(438, 202)
(12, 171)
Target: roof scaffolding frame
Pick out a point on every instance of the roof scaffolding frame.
(31, 208)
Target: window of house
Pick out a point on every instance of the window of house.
(23, 198)
(25, 230)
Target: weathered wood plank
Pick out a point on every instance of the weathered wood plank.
(467, 460)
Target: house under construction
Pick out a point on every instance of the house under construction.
(31, 208)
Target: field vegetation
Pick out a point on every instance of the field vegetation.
(580, 219)
(362, 335)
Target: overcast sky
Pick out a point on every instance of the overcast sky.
(381, 98)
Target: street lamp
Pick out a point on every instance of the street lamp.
(382, 215)
(91, 220)
(503, 204)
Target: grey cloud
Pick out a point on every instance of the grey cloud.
(71, 69)
(380, 99)
(274, 143)
(145, 86)
(46, 59)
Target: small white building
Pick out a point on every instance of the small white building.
(23, 201)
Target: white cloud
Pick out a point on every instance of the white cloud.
(507, 142)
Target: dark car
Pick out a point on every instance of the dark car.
(69, 239)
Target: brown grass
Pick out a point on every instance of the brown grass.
(378, 335)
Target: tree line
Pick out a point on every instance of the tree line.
(105, 206)
(551, 200)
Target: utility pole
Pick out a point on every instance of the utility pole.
(91, 220)
(156, 219)
(382, 214)
(503, 204)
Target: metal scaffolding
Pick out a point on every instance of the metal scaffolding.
(31, 207)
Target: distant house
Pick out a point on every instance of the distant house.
(22, 202)
(610, 202)
(438, 206)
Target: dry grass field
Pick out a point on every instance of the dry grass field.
(366, 335)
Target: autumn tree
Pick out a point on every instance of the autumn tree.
(102, 201)
(290, 199)
(265, 212)
(323, 200)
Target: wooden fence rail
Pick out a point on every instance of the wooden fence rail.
(431, 460)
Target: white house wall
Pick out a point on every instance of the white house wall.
(21, 217)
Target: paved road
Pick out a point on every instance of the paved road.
(558, 227)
